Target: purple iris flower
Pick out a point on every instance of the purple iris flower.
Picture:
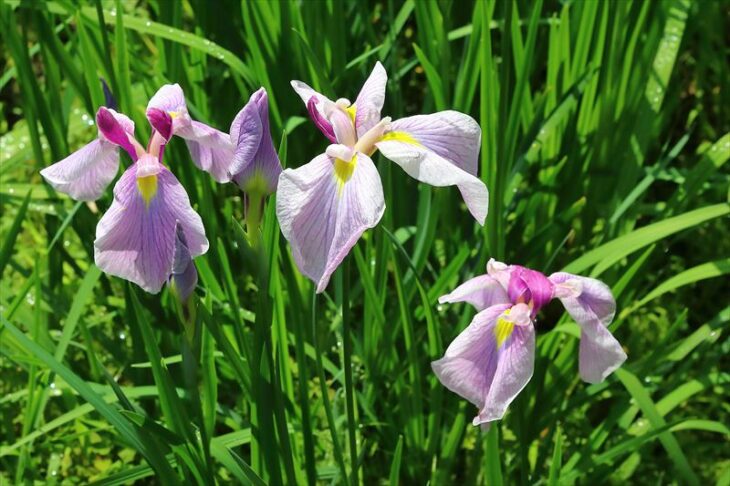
(324, 206)
(492, 360)
(136, 239)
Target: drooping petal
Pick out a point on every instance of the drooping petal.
(135, 239)
(481, 292)
(210, 149)
(184, 277)
(427, 166)
(454, 136)
(591, 304)
(117, 129)
(85, 174)
(370, 101)
(324, 207)
(256, 166)
(489, 363)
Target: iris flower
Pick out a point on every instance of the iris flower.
(324, 206)
(136, 238)
(492, 360)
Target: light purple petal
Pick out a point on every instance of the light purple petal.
(370, 101)
(184, 277)
(342, 124)
(454, 136)
(135, 239)
(429, 167)
(485, 369)
(86, 173)
(323, 214)
(256, 165)
(171, 99)
(210, 149)
(117, 129)
(481, 292)
(591, 304)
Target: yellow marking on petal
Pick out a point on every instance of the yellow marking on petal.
(343, 172)
(352, 111)
(147, 188)
(503, 329)
(404, 137)
(173, 114)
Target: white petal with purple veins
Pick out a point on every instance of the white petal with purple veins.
(323, 210)
(370, 101)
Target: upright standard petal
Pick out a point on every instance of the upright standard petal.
(135, 239)
(591, 304)
(324, 207)
(481, 292)
(370, 101)
(489, 363)
(428, 166)
(315, 103)
(256, 165)
(85, 174)
(171, 99)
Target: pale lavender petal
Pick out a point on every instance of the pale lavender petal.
(184, 277)
(342, 123)
(135, 239)
(470, 361)
(86, 173)
(427, 166)
(370, 101)
(117, 129)
(515, 365)
(323, 211)
(481, 292)
(591, 304)
(210, 149)
(454, 136)
(255, 170)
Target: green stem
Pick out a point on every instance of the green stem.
(349, 394)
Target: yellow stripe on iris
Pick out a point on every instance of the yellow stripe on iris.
(147, 188)
(400, 137)
(352, 111)
(503, 329)
(343, 172)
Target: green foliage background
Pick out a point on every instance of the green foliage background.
(605, 138)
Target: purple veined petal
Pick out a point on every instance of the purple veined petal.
(370, 101)
(210, 149)
(591, 304)
(184, 277)
(256, 166)
(481, 292)
(118, 129)
(454, 136)
(85, 174)
(429, 167)
(489, 363)
(135, 239)
(324, 207)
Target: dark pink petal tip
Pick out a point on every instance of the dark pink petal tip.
(527, 285)
(114, 132)
(160, 121)
(323, 125)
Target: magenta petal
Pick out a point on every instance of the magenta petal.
(320, 121)
(370, 101)
(529, 286)
(591, 304)
(160, 121)
(135, 239)
(117, 129)
(323, 215)
(315, 103)
(481, 292)
(86, 173)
